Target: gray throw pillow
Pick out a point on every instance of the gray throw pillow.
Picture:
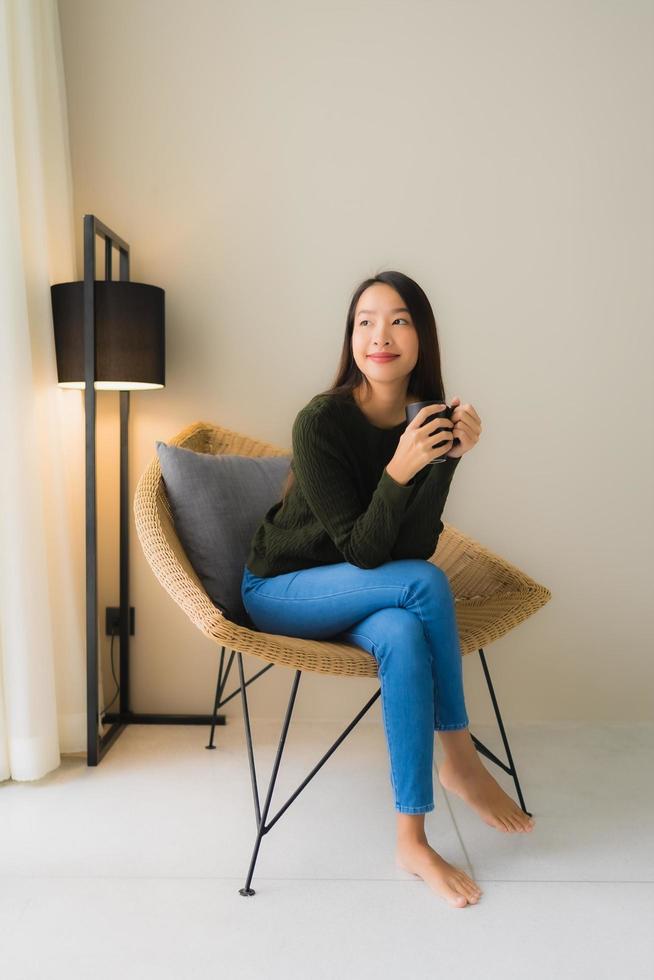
(217, 504)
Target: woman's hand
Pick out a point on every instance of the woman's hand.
(420, 443)
(467, 428)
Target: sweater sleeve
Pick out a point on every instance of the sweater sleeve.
(364, 537)
(421, 523)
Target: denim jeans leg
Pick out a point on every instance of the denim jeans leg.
(435, 604)
(327, 601)
(396, 639)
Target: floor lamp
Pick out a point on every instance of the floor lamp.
(110, 334)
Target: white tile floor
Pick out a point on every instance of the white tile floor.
(132, 869)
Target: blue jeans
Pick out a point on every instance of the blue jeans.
(403, 613)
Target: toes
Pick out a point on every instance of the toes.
(470, 889)
(458, 888)
(521, 820)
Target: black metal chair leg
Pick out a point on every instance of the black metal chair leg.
(482, 748)
(261, 817)
(220, 687)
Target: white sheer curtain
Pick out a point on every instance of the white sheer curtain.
(42, 591)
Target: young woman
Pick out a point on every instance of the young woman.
(344, 555)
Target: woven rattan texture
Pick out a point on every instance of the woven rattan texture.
(491, 595)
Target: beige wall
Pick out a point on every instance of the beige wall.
(261, 158)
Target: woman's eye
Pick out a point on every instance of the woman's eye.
(394, 321)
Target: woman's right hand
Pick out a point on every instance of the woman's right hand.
(416, 446)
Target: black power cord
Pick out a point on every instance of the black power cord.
(113, 673)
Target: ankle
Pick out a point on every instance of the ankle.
(411, 829)
(459, 749)
(407, 844)
(462, 763)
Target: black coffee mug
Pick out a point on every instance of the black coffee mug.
(412, 410)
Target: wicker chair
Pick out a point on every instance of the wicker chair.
(491, 595)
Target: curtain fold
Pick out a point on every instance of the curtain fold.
(42, 561)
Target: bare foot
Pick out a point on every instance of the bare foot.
(479, 789)
(420, 859)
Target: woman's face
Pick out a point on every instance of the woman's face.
(383, 324)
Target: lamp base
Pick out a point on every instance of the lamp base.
(134, 718)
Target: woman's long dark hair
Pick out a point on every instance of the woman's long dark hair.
(425, 381)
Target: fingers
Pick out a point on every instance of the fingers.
(426, 411)
(429, 410)
(469, 430)
(440, 424)
(470, 417)
(467, 420)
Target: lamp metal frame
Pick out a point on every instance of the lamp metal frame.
(97, 744)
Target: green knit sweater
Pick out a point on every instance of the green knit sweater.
(344, 505)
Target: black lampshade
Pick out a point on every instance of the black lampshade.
(130, 350)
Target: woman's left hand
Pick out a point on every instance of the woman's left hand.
(466, 428)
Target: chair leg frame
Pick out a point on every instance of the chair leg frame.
(261, 816)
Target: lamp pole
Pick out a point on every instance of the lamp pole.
(97, 745)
